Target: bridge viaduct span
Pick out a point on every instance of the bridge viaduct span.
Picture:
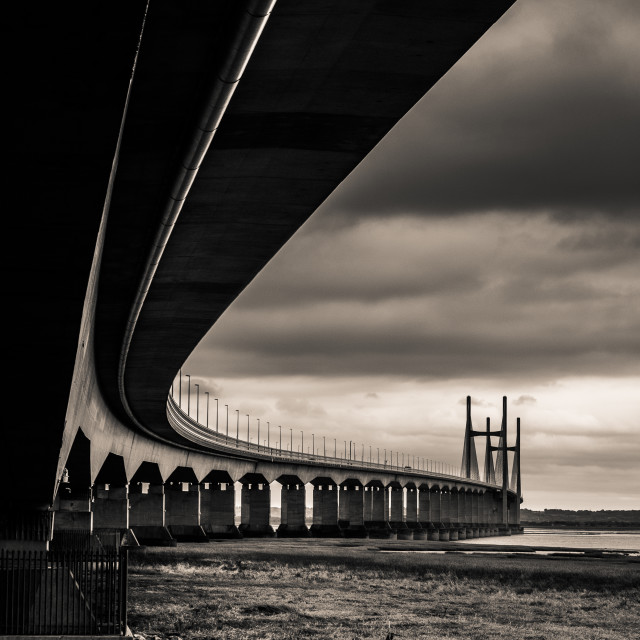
(161, 153)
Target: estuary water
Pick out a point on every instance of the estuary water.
(607, 539)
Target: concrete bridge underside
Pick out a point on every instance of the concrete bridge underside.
(326, 81)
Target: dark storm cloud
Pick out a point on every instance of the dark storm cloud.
(542, 114)
(540, 118)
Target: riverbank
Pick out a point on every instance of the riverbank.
(290, 589)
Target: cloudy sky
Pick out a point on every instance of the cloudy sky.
(489, 246)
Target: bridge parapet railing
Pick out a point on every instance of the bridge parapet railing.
(200, 434)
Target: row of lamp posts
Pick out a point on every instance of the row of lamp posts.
(427, 464)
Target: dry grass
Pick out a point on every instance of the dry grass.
(294, 589)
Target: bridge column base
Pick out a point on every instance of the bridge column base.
(154, 536)
(325, 531)
(222, 531)
(292, 531)
(443, 534)
(453, 534)
(256, 531)
(462, 533)
(380, 530)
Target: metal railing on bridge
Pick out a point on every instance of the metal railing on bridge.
(201, 434)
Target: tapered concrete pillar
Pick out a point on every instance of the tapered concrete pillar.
(445, 514)
(292, 510)
(378, 521)
(110, 507)
(436, 514)
(424, 506)
(379, 505)
(217, 510)
(182, 511)
(396, 507)
(411, 517)
(73, 509)
(351, 508)
(325, 510)
(147, 514)
(472, 502)
(146, 505)
(256, 510)
(424, 513)
(453, 514)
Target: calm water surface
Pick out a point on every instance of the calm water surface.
(577, 538)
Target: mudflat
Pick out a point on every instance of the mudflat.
(289, 589)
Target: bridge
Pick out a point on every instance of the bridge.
(161, 154)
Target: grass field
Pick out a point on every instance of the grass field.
(339, 589)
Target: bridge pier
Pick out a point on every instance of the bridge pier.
(396, 508)
(414, 530)
(377, 511)
(445, 515)
(110, 506)
(217, 510)
(255, 500)
(325, 509)
(73, 508)
(182, 516)
(436, 513)
(293, 509)
(351, 509)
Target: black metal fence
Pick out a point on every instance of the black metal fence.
(80, 592)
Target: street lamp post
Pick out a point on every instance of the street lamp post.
(247, 429)
(302, 441)
(188, 395)
(324, 447)
(217, 415)
(258, 434)
(237, 427)
(280, 437)
(206, 393)
(291, 436)
(197, 386)
(227, 406)
(180, 390)
(268, 439)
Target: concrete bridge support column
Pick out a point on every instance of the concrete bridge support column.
(411, 514)
(453, 514)
(146, 505)
(325, 510)
(436, 514)
(378, 521)
(494, 512)
(462, 514)
(351, 504)
(217, 510)
(445, 514)
(182, 511)
(147, 514)
(73, 509)
(110, 507)
(424, 511)
(396, 508)
(292, 500)
(475, 517)
(256, 510)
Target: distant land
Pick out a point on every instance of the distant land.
(613, 519)
(557, 518)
